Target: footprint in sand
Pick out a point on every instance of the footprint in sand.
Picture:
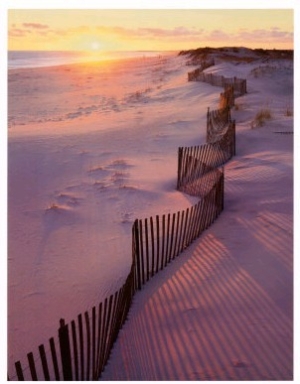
(64, 202)
(68, 199)
(110, 175)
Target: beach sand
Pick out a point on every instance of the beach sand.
(90, 149)
(223, 310)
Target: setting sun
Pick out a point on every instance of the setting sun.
(95, 46)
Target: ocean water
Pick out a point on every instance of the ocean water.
(63, 94)
(34, 59)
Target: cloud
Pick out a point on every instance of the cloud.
(183, 34)
(17, 32)
(218, 35)
(178, 33)
(263, 35)
(35, 25)
(44, 30)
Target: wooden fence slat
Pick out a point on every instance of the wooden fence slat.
(180, 233)
(44, 362)
(219, 196)
(75, 350)
(88, 345)
(133, 254)
(19, 371)
(137, 254)
(189, 236)
(176, 235)
(32, 366)
(152, 243)
(163, 242)
(168, 240)
(107, 327)
(185, 165)
(157, 243)
(179, 167)
(54, 359)
(114, 319)
(103, 334)
(147, 249)
(93, 342)
(99, 340)
(185, 229)
(201, 217)
(128, 294)
(172, 237)
(182, 170)
(120, 304)
(81, 347)
(111, 324)
(115, 315)
(198, 222)
(191, 226)
(206, 211)
(64, 343)
(142, 271)
(190, 158)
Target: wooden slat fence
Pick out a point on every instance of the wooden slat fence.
(81, 348)
(160, 239)
(212, 155)
(239, 85)
(203, 65)
(217, 123)
(227, 97)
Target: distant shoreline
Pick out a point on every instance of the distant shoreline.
(38, 59)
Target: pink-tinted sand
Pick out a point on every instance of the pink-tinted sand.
(90, 150)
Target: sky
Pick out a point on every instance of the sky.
(148, 29)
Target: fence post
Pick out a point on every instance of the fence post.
(234, 138)
(207, 119)
(137, 254)
(65, 351)
(179, 168)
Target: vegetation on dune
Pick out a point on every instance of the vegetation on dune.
(231, 53)
(261, 117)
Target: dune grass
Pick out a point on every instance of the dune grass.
(261, 117)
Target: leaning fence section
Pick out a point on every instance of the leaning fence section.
(81, 347)
(239, 86)
(160, 239)
(203, 64)
(196, 162)
(217, 123)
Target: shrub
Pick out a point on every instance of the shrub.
(261, 117)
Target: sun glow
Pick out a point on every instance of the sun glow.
(95, 46)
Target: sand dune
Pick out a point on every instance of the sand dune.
(92, 148)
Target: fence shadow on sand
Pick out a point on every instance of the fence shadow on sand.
(81, 349)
